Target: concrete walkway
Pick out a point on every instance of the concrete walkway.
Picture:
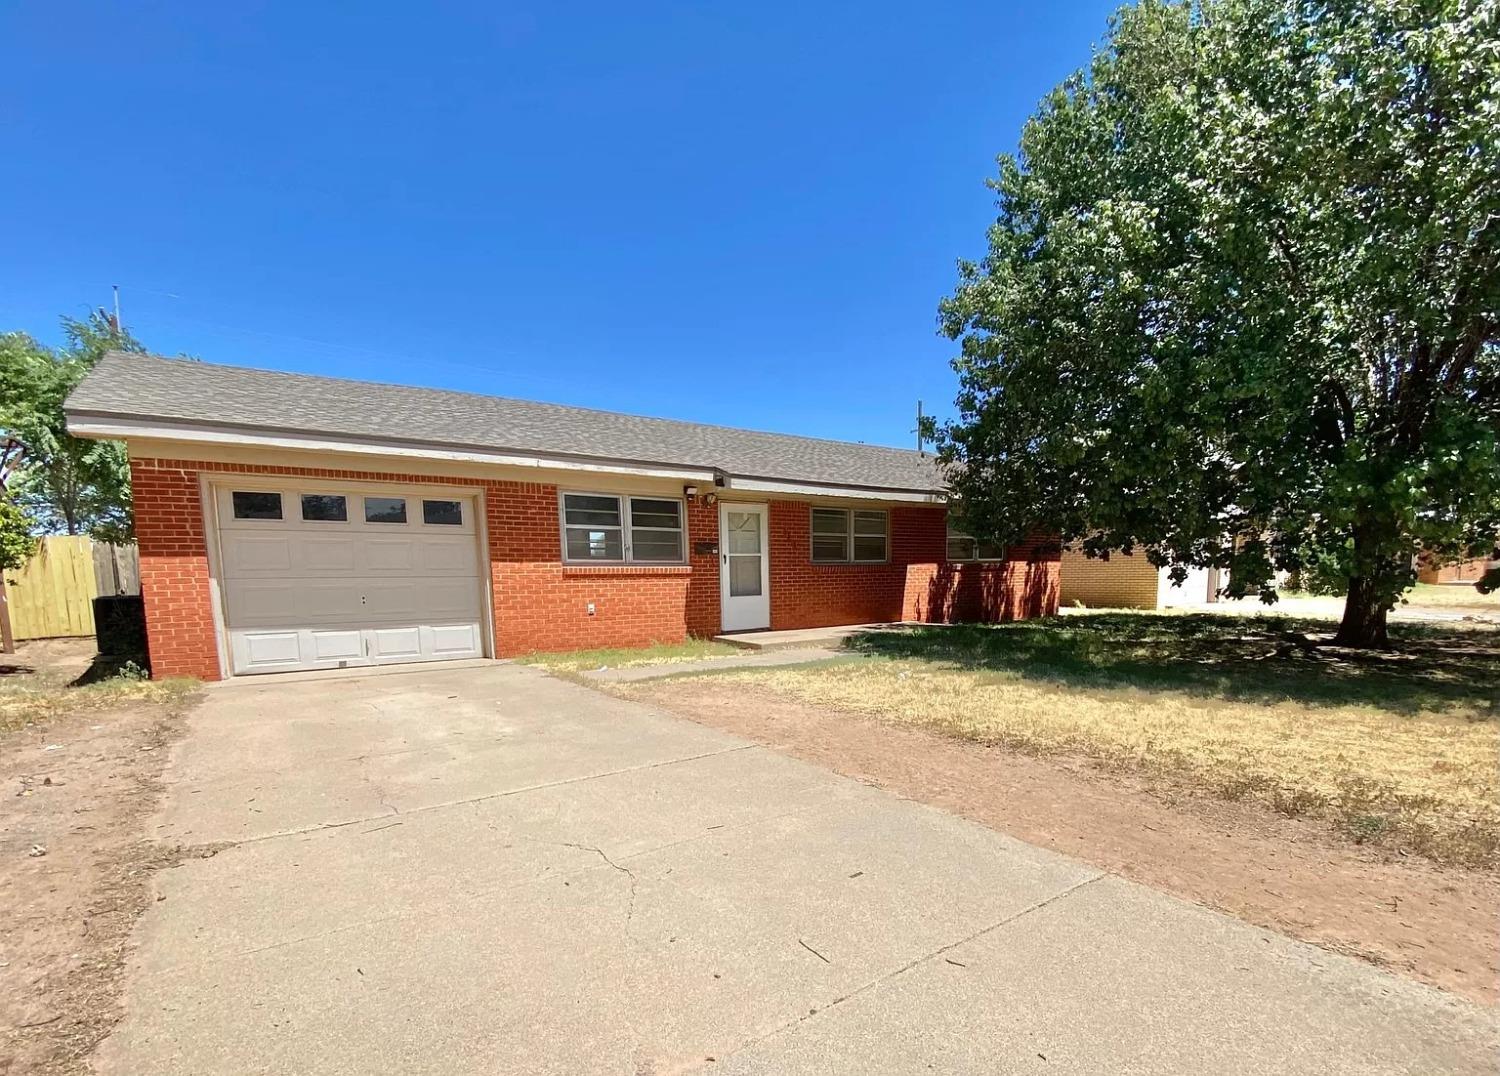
(748, 660)
(490, 870)
(805, 638)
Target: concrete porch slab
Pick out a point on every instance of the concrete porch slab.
(803, 638)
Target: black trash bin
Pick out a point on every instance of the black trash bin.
(120, 626)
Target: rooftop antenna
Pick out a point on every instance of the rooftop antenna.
(118, 328)
(920, 451)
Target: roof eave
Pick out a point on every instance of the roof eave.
(104, 425)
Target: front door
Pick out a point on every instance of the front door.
(744, 570)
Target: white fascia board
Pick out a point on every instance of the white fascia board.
(760, 485)
(121, 429)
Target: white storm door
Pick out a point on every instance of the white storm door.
(744, 568)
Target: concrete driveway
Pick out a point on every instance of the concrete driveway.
(490, 870)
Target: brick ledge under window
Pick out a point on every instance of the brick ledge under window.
(627, 569)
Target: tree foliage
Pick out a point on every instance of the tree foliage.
(1241, 303)
(16, 540)
(64, 483)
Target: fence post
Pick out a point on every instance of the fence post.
(7, 637)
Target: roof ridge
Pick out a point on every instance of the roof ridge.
(136, 356)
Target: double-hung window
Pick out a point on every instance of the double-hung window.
(610, 528)
(849, 536)
(963, 547)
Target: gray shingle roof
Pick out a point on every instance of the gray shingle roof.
(145, 387)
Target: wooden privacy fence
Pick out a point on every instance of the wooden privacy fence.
(53, 595)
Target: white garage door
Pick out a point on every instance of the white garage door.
(319, 577)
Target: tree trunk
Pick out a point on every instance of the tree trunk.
(1365, 609)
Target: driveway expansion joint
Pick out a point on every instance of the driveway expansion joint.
(321, 826)
(886, 977)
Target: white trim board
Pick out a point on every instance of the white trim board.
(124, 429)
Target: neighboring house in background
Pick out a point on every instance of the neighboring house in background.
(291, 522)
(1130, 581)
(1464, 573)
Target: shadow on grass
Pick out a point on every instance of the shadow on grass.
(1263, 658)
(109, 666)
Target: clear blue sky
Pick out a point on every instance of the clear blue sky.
(743, 214)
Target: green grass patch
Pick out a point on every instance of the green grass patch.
(1248, 658)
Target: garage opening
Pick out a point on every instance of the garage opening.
(320, 577)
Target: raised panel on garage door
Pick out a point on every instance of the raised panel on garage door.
(365, 589)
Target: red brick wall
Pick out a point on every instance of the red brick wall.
(1465, 571)
(174, 570)
(808, 595)
(916, 584)
(542, 604)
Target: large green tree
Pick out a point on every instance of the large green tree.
(1241, 303)
(64, 483)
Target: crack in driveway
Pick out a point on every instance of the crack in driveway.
(630, 908)
(886, 977)
(380, 793)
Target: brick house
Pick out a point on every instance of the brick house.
(1130, 581)
(1463, 573)
(289, 522)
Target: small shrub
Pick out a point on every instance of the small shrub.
(1296, 802)
(1366, 828)
(133, 671)
(1242, 785)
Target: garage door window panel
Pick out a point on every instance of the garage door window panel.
(385, 509)
(443, 513)
(325, 508)
(253, 504)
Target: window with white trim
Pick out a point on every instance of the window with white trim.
(964, 547)
(603, 528)
(850, 536)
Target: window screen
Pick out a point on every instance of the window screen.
(655, 530)
(592, 527)
(869, 536)
(830, 534)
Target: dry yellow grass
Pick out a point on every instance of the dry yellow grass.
(30, 705)
(1425, 776)
(1465, 597)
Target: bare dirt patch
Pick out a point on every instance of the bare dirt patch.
(77, 782)
(1433, 923)
(1399, 748)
